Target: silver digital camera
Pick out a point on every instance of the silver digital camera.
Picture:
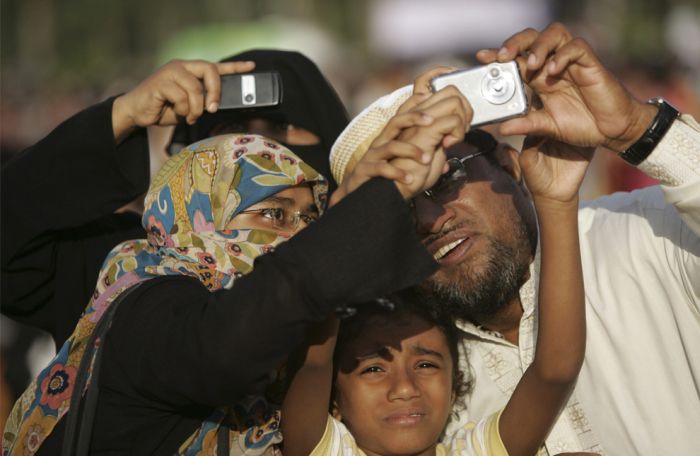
(495, 91)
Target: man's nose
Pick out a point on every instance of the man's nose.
(431, 216)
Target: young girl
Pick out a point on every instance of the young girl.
(396, 380)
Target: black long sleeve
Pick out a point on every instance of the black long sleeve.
(58, 221)
(175, 346)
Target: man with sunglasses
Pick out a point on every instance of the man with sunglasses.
(637, 392)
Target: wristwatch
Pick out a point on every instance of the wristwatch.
(641, 149)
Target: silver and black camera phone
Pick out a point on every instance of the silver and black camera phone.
(495, 91)
(250, 90)
(239, 92)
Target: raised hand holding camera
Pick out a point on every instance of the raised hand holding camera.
(582, 103)
(179, 89)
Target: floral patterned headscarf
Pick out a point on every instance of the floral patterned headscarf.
(190, 202)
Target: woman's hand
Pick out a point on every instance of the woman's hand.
(410, 149)
(385, 148)
(179, 89)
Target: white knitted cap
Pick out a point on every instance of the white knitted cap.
(354, 141)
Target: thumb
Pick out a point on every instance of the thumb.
(534, 123)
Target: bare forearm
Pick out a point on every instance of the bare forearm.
(562, 328)
(305, 407)
(546, 384)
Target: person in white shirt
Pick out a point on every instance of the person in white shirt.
(638, 392)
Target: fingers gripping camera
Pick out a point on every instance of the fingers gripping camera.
(495, 91)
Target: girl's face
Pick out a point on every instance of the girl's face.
(394, 386)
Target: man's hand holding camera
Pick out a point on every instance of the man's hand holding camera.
(579, 101)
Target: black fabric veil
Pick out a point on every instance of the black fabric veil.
(308, 101)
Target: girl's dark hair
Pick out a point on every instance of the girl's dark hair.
(394, 307)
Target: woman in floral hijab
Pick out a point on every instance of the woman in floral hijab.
(194, 210)
(198, 329)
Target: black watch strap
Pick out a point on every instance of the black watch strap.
(640, 150)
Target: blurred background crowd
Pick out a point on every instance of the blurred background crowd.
(61, 56)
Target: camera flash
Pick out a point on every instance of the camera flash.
(248, 89)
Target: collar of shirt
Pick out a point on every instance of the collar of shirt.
(570, 432)
(528, 299)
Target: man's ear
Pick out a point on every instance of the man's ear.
(508, 159)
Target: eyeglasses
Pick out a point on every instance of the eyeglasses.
(457, 172)
(281, 218)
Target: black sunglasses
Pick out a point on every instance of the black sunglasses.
(484, 143)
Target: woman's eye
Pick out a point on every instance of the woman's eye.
(273, 213)
(426, 365)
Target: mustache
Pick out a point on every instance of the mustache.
(468, 224)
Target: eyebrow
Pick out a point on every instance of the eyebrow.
(419, 350)
(281, 200)
(288, 202)
(384, 352)
(381, 352)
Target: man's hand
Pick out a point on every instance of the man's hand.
(579, 101)
(179, 89)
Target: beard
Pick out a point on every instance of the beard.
(483, 288)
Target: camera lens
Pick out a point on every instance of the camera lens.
(497, 86)
(249, 98)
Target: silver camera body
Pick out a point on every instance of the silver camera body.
(495, 91)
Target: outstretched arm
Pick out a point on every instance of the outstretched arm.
(305, 407)
(59, 196)
(553, 172)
